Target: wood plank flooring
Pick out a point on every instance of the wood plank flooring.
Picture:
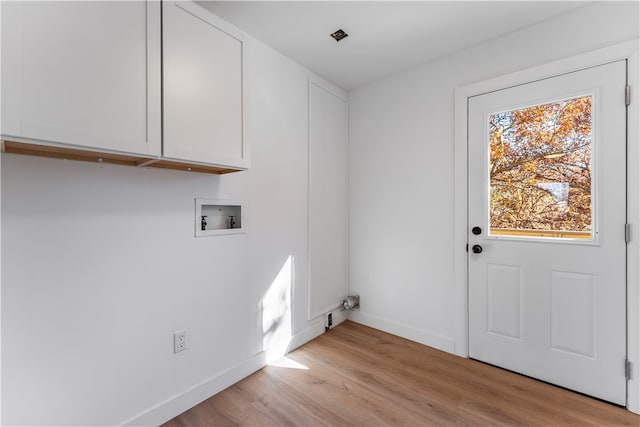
(358, 376)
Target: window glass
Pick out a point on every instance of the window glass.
(540, 171)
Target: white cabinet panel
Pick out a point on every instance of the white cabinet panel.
(83, 73)
(203, 87)
(327, 200)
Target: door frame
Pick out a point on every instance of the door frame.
(627, 50)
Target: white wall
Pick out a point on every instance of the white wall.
(401, 158)
(101, 266)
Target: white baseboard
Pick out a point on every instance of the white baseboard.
(339, 316)
(176, 405)
(405, 331)
(315, 330)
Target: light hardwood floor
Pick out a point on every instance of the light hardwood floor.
(358, 376)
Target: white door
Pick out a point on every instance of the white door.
(547, 193)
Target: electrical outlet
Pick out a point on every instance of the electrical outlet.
(179, 341)
(328, 323)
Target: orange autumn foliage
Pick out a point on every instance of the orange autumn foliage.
(540, 167)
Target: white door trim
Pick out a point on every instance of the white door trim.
(627, 50)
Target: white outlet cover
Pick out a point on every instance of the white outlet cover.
(179, 341)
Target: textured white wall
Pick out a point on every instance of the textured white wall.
(401, 147)
(100, 266)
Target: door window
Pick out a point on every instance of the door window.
(540, 171)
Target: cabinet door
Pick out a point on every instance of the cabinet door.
(327, 200)
(83, 73)
(203, 87)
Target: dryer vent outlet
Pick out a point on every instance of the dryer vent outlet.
(351, 302)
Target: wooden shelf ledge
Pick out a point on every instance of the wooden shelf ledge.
(56, 152)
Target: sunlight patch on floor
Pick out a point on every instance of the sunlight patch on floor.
(285, 362)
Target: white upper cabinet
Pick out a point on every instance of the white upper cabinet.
(203, 87)
(82, 74)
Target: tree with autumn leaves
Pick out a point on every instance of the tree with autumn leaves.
(540, 167)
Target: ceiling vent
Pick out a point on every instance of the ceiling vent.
(339, 35)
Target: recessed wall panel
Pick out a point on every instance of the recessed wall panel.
(504, 300)
(327, 201)
(573, 313)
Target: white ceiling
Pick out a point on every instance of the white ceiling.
(384, 36)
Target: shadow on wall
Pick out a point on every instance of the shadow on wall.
(276, 314)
